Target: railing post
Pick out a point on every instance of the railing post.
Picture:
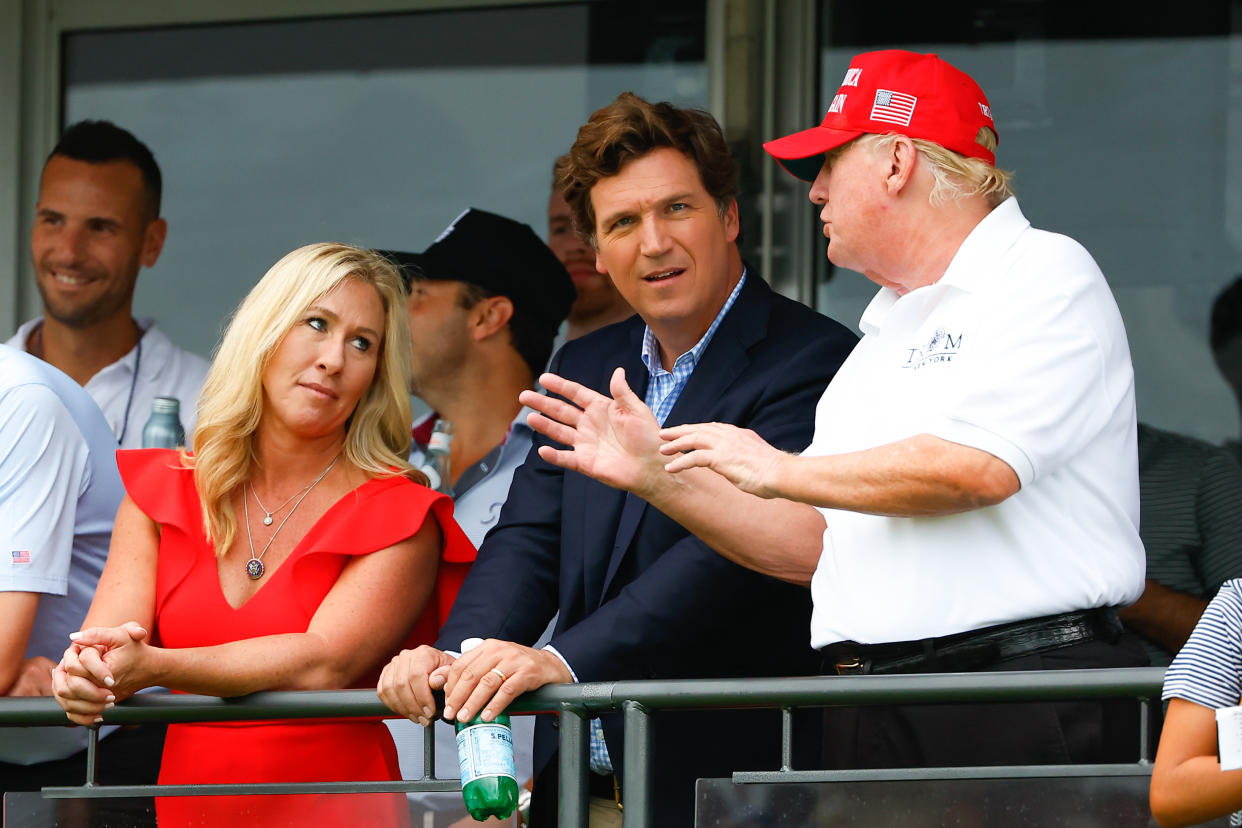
(786, 738)
(637, 793)
(429, 750)
(1145, 717)
(92, 744)
(573, 767)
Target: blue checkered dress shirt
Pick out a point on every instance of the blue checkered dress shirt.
(663, 389)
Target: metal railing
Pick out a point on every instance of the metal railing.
(577, 703)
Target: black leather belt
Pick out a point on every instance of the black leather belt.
(975, 649)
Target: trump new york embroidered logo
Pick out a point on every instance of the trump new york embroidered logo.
(893, 107)
(942, 346)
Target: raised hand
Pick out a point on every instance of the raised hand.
(738, 454)
(614, 440)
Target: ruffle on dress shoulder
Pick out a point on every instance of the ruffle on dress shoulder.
(385, 511)
(378, 514)
(165, 492)
(161, 487)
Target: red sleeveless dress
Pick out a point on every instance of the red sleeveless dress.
(191, 611)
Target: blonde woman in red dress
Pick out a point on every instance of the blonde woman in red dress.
(292, 550)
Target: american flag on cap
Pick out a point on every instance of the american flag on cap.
(894, 107)
(917, 95)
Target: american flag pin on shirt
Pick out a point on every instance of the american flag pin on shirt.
(21, 556)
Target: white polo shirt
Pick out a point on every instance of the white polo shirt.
(1018, 350)
(164, 370)
(59, 492)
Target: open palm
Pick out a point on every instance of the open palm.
(614, 440)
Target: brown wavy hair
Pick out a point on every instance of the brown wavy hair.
(629, 128)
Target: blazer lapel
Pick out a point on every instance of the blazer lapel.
(602, 501)
(724, 358)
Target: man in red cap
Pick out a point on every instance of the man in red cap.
(970, 499)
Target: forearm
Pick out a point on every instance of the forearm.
(1194, 791)
(922, 476)
(1164, 615)
(292, 661)
(776, 537)
(18, 610)
(9, 668)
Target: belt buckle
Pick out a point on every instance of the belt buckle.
(850, 664)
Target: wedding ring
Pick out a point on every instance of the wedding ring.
(503, 677)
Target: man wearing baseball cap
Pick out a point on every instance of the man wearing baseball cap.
(486, 300)
(973, 472)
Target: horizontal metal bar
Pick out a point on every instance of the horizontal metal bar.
(929, 688)
(909, 774)
(805, 691)
(249, 789)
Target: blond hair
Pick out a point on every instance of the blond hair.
(377, 437)
(955, 175)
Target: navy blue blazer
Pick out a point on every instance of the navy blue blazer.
(638, 596)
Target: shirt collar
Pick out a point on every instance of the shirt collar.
(420, 432)
(985, 245)
(651, 348)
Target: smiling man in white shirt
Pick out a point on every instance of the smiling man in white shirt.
(97, 223)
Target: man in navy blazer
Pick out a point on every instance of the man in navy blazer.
(636, 596)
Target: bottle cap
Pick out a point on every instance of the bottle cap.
(165, 405)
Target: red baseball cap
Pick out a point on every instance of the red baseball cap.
(893, 91)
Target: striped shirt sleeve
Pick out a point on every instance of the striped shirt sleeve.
(1208, 670)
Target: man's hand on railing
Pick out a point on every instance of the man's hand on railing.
(97, 669)
(487, 678)
(495, 673)
(406, 683)
(34, 678)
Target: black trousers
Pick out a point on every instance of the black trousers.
(995, 734)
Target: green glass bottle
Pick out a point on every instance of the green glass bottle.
(485, 758)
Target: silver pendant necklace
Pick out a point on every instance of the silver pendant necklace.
(254, 566)
(267, 513)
